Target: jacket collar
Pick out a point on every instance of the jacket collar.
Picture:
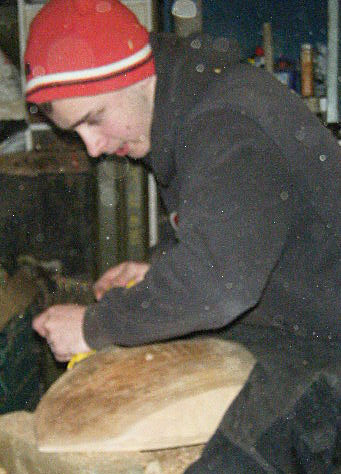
(176, 90)
(161, 158)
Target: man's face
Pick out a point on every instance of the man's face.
(116, 122)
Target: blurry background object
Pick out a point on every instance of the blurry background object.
(187, 17)
(333, 78)
(268, 47)
(11, 101)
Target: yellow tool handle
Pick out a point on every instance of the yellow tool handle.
(84, 355)
(78, 357)
(130, 284)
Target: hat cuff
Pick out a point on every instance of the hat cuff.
(92, 81)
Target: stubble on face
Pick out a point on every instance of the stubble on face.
(122, 118)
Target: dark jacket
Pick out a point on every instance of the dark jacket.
(255, 179)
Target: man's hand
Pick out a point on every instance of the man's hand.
(120, 276)
(62, 327)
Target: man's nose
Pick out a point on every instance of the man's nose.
(94, 142)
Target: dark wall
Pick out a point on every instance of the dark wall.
(9, 39)
(48, 217)
(293, 22)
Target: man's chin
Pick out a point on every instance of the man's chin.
(137, 154)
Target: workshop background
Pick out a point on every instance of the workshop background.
(38, 214)
(65, 218)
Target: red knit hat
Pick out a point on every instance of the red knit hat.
(83, 48)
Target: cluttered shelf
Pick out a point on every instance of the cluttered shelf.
(311, 76)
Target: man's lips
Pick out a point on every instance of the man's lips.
(122, 151)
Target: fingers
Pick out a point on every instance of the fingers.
(39, 323)
(115, 277)
(99, 291)
(42, 322)
(59, 356)
(102, 286)
(110, 279)
(140, 272)
(61, 326)
(120, 276)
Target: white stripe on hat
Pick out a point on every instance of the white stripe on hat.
(91, 73)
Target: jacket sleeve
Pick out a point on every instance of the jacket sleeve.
(166, 241)
(235, 209)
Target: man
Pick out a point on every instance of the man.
(255, 179)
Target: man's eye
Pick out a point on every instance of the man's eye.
(94, 121)
(96, 118)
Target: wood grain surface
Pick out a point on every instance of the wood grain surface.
(19, 455)
(150, 397)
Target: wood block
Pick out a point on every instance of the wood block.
(19, 455)
(152, 397)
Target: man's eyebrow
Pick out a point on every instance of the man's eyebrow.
(80, 121)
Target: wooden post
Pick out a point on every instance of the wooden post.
(332, 68)
(187, 17)
(268, 47)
